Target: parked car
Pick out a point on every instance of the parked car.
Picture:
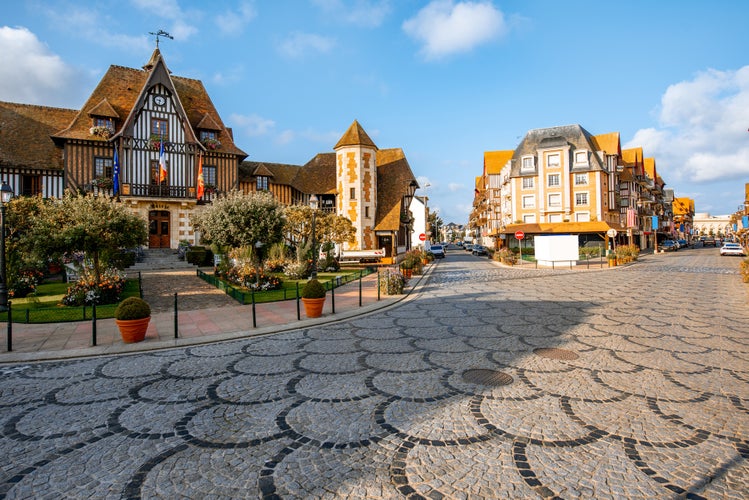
(468, 247)
(669, 246)
(478, 250)
(682, 243)
(438, 251)
(732, 249)
(709, 241)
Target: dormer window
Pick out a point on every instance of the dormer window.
(528, 164)
(102, 127)
(103, 122)
(262, 183)
(581, 157)
(208, 134)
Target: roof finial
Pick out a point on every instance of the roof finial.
(160, 33)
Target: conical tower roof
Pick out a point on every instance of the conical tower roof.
(355, 136)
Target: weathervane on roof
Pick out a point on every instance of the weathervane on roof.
(160, 33)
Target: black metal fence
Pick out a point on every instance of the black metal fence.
(245, 297)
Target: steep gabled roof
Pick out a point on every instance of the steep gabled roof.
(25, 132)
(355, 136)
(394, 175)
(608, 143)
(495, 161)
(125, 91)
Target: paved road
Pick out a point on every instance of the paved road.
(492, 383)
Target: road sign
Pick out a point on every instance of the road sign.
(423, 237)
(519, 235)
(611, 232)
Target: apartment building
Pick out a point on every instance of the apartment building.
(565, 180)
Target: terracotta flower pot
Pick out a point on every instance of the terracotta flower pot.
(133, 330)
(313, 307)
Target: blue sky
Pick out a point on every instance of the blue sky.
(444, 80)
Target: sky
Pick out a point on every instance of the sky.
(444, 80)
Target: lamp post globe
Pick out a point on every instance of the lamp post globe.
(6, 193)
(313, 203)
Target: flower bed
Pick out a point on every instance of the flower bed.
(87, 291)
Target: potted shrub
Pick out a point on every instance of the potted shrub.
(313, 298)
(132, 317)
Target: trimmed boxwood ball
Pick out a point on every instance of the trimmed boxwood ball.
(132, 308)
(313, 289)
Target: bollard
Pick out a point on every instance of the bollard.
(332, 297)
(378, 285)
(254, 318)
(176, 318)
(298, 311)
(360, 277)
(140, 285)
(93, 324)
(10, 328)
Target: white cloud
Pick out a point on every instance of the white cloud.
(445, 27)
(702, 133)
(455, 187)
(232, 22)
(285, 137)
(300, 44)
(366, 13)
(252, 125)
(33, 74)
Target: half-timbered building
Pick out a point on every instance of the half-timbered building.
(147, 137)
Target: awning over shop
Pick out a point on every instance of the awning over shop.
(563, 228)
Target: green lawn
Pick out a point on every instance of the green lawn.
(44, 306)
(289, 288)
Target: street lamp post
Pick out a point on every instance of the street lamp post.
(313, 205)
(6, 193)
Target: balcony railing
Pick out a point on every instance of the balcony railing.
(153, 191)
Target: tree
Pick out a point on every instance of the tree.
(239, 220)
(99, 226)
(329, 227)
(435, 225)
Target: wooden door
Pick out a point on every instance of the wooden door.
(158, 229)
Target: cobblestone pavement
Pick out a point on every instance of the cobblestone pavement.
(159, 287)
(492, 383)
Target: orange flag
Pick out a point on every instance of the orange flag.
(201, 184)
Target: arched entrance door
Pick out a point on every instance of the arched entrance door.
(158, 229)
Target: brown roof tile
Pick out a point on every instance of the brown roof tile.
(355, 136)
(25, 135)
(394, 176)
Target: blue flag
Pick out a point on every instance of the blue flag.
(116, 176)
(745, 221)
(655, 223)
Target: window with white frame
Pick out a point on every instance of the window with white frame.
(528, 164)
(528, 182)
(581, 157)
(555, 217)
(581, 199)
(553, 180)
(581, 179)
(582, 217)
(529, 201)
(555, 200)
(553, 160)
(529, 219)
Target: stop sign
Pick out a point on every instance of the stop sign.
(423, 237)
(519, 235)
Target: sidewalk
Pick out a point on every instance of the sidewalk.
(53, 341)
